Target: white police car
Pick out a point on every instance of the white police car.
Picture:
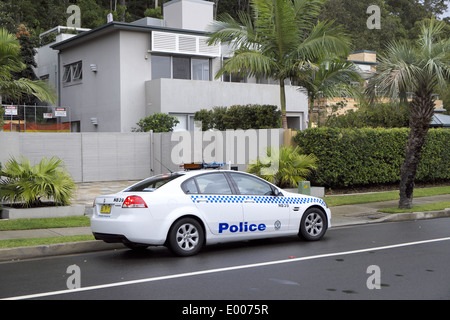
(186, 210)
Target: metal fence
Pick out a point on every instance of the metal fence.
(26, 118)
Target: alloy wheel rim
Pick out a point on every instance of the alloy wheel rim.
(187, 237)
(314, 224)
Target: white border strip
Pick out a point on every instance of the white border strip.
(196, 273)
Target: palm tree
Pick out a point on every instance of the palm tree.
(331, 78)
(10, 62)
(283, 41)
(291, 166)
(420, 67)
(26, 184)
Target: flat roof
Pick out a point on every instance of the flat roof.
(116, 26)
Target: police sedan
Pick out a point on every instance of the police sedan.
(189, 209)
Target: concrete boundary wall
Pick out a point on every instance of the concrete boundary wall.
(235, 147)
(87, 156)
(91, 157)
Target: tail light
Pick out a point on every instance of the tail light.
(134, 202)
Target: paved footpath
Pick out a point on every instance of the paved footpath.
(86, 193)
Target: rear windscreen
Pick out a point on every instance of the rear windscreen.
(153, 183)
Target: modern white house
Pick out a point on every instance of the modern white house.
(114, 75)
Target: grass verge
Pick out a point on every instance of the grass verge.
(437, 206)
(333, 201)
(15, 243)
(44, 223)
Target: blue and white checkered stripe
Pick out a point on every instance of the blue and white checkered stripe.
(256, 199)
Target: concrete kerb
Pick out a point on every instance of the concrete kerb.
(23, 253)
(408, 216)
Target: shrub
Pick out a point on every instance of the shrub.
(240, 117)
(386, 115)
(26, 184)
(358, 157)
(158, 122)
(292, 166)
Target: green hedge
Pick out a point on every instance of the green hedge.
(251, 116)
(359, 157)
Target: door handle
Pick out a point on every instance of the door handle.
(249, 201)
(201, 200)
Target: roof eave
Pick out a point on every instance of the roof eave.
(115, 26)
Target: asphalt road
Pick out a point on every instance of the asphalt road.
(400, 260)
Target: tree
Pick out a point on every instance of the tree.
(27, 53)
(282, 42)
(420, 67)
(332, 78)
(352, 15)
(10, 62)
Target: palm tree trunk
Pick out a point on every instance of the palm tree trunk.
(310, 110)
(283, 104)
(422, 108)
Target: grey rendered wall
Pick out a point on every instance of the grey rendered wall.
(91, 157)
(35, 146)
(135, 69)
(192, 95)
(235, 147)
(87, 156)
(116, 156)
(98, 94)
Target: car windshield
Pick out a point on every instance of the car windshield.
(153, 183)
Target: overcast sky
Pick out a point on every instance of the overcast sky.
(447, 14)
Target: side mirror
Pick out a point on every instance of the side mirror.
(276, 192)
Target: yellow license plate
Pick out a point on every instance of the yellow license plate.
(105, 208)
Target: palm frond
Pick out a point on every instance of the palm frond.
(228, 30)
(324, 40)
(40, 89)
(306, 13)
(29, 184)
(252, 63)
(9, 53)
(284, 167)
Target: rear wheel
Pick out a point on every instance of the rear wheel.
(313, 225)
(186, 237)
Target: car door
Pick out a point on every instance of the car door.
(215, 200)
(263, 211)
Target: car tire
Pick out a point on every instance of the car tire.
(186, 237)
(313, 225)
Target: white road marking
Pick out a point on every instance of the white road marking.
(246, 266)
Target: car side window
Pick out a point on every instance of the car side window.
(189, 187)
(213, 183)
(251, 186)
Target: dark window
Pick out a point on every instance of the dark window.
(181, 68)
(189, 187)
(153, 183)
(73, 72)
(214, 183)
(161, 67)
(250, 185)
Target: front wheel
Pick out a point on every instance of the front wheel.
(186, 237)
(313, 225)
